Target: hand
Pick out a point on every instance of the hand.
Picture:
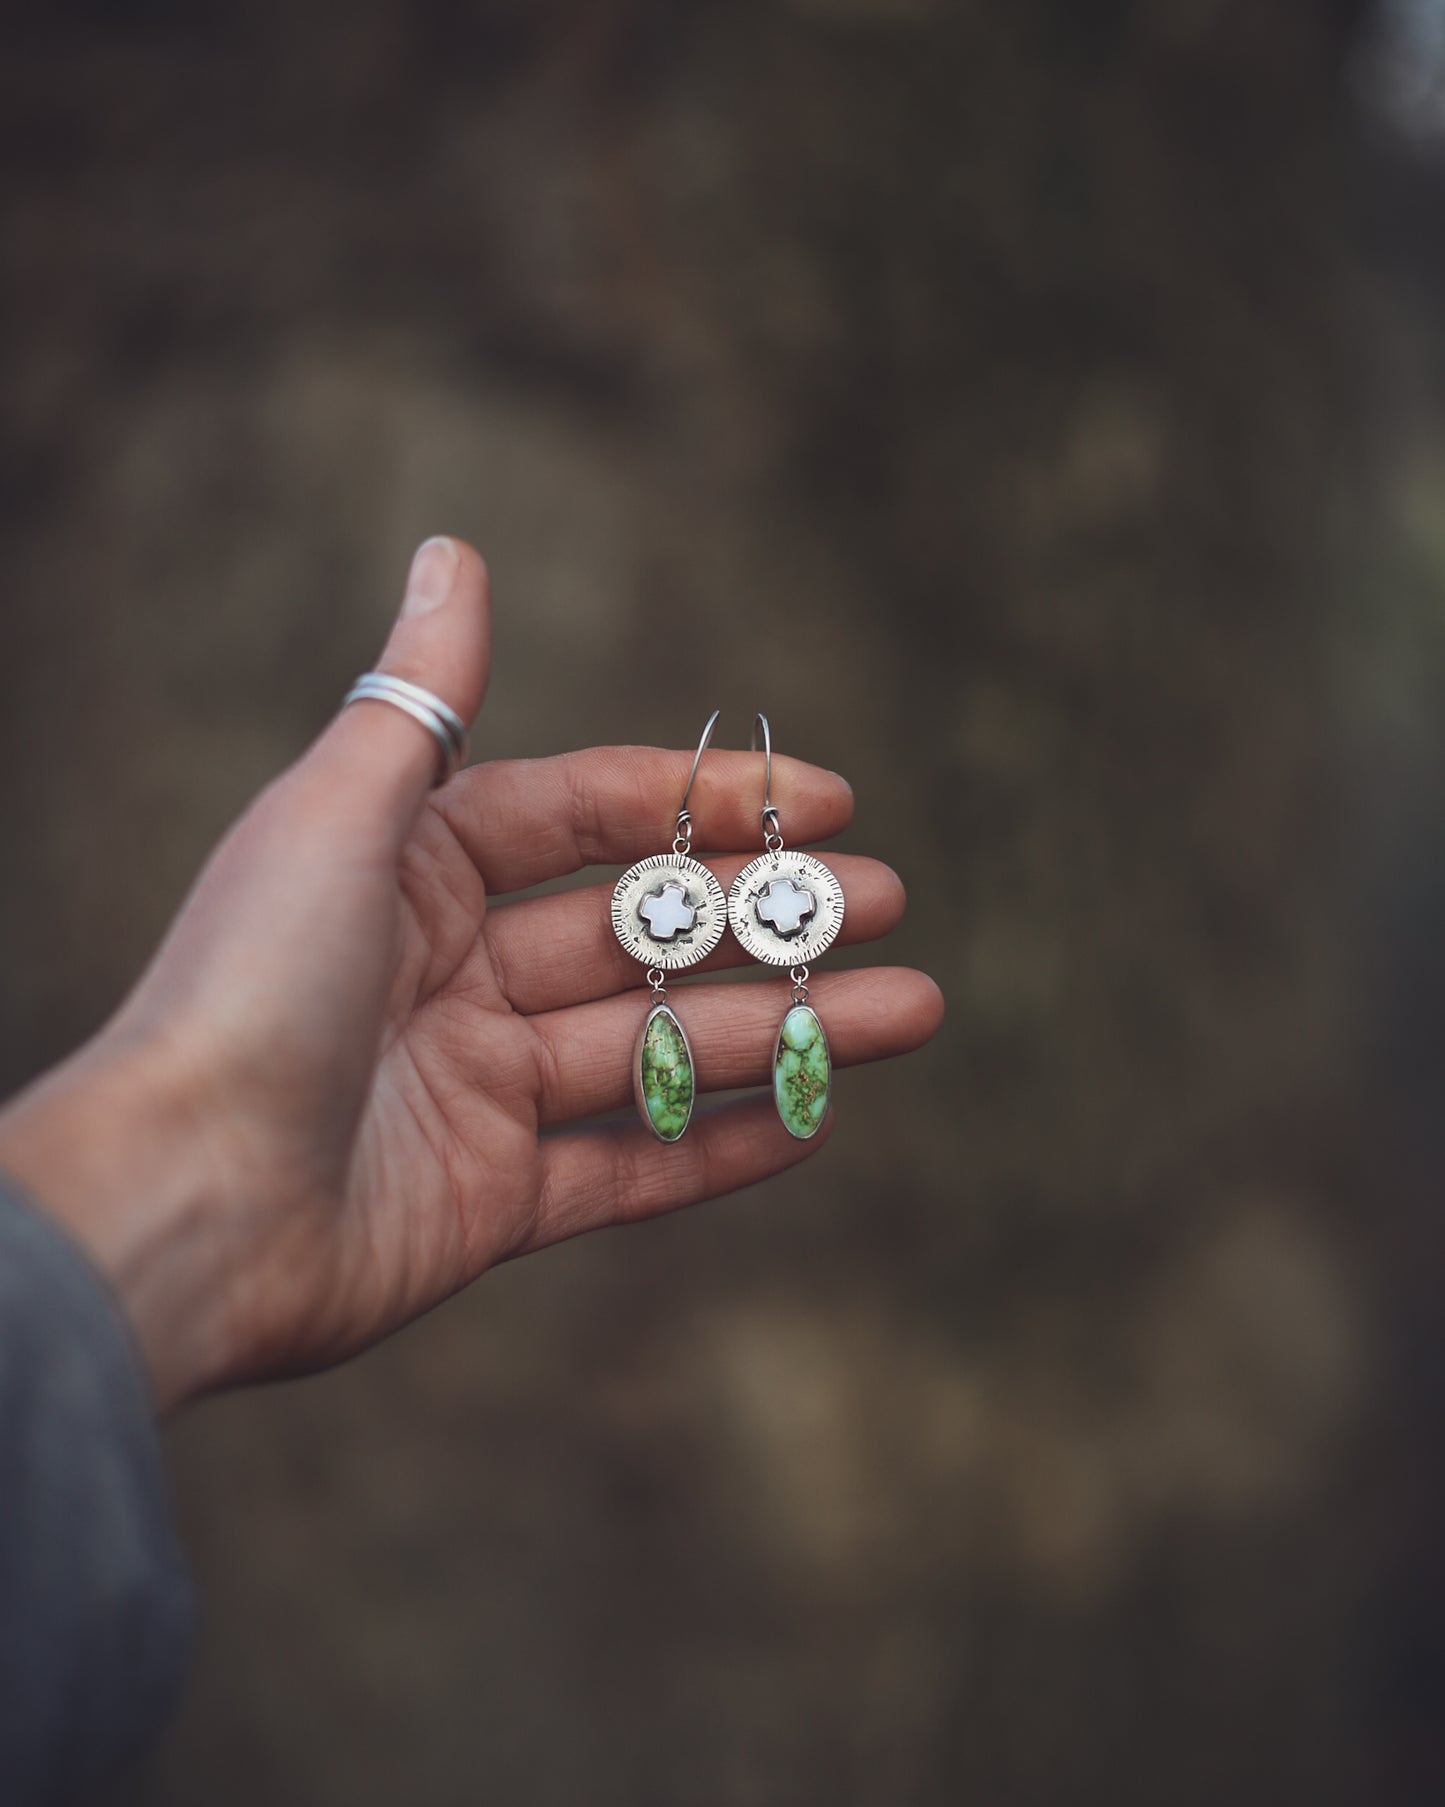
(323, 1108)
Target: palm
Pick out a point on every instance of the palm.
(456, 1104)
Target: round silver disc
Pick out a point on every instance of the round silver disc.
(786, 908)
(669, 911)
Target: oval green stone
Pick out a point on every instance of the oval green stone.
(665, 1084)
(802, 1072)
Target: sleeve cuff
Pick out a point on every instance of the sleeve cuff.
(96, 1606)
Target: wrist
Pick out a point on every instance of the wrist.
(105, 1144)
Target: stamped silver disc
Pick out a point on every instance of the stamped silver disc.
(669, 911)
(786, 908)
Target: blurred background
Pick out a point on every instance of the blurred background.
(1039, 408)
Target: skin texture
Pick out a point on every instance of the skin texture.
(348, 1083)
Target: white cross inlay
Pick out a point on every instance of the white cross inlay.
(667, 912)
(785, 905)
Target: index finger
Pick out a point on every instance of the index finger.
(525, 820)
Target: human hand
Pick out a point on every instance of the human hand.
(346, 1085)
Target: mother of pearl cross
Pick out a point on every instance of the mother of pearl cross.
(667, 912)
(785, 905)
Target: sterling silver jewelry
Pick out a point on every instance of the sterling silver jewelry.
(442, 722)
(786, 909)
(668, 911)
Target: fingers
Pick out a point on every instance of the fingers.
(587, 1051)
(377, 761)
(621, 1173)
(552, 951)
(526, 820)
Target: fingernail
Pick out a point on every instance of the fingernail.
(429, 582)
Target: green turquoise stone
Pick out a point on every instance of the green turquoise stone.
(802, 1072)
(665, 1084)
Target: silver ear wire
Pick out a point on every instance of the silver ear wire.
(785, 910)
(772, 827)
(668, 912)
(682, 843)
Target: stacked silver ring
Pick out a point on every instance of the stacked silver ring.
(443, 723)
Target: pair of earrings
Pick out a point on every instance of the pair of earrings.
(784, 908)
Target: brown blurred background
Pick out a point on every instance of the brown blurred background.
(1039, 408)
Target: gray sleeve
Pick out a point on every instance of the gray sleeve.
(96, 1610)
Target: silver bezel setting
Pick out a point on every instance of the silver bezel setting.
(639, 1091)
(703, 892)
(761, 940)
(807, 1135)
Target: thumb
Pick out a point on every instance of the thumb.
(373, 756)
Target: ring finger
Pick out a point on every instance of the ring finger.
(586, 1051)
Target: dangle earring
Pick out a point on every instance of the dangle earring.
(669, 912)
(786, 909)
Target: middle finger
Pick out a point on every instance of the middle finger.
(548, 952)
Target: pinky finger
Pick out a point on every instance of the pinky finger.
(620, 1173)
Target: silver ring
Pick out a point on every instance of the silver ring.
(442, 722)
(384, 680)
